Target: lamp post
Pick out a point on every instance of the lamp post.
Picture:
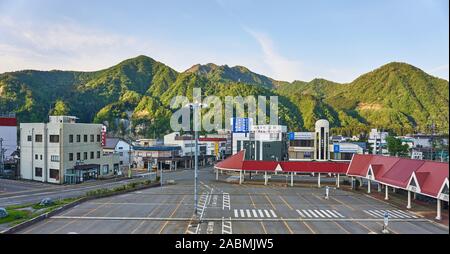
(196, 106)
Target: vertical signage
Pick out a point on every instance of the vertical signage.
(103, 136)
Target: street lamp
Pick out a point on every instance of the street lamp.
(196, 106)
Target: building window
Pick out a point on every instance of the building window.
(38, 138)
(98, 138)
(121, 162)
(92, 155)
(70, 138)
(36, 157)
(85, 156)
(54, 158)
(70, 156)
(54, 173)
(85, 138)
(92, 138)
(98, 154)
(29, 138)
(54, 138)
(41, 156)
(121, 154)
(38, 172)
(78, 156)
(78, 138)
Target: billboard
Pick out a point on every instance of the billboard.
(240, 125)
(103, 136)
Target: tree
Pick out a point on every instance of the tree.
(60, 109)
(395, 147)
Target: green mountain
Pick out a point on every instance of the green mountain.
(397, 97)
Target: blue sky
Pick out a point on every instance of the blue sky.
(286, 40)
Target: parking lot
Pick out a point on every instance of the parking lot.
(226, 208)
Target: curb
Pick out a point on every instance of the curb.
(63, 208)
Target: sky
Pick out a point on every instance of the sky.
(287, 40)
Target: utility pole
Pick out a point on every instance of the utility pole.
(2, 151)
(432, 139)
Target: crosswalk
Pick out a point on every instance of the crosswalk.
(395, 214)
(319, 213)
(254, 213)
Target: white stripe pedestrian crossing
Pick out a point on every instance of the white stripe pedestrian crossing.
(273, 213)
(307, 214)
(319, 213)
(394, 214)
(315, 215)
(260, 213)
(254, 213)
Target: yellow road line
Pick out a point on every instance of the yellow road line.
(306, 224)
(345, 230)
(267, 197)
(287, 226)
(173, 212)
(287, 204)
(342, 203)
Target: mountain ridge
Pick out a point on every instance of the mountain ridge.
(397, 96)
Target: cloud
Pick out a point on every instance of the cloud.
(48, 45)
(280, 67)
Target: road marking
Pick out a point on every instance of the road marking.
(236, 213)
(306, 224)
(307, 214)
(326, 214)
(321, 215)
(273, 213)
(210, 228)
(260, 213)
(287, 204)
(270, 201)
(248, 213)
(267, 213)
(227, 226)
(300, 213)
(254, 213)
(242, 213)
(287, 226)
(340, 215)
(315, 216)
(171, 215)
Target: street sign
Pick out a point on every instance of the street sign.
(240, 125)
(336, 148)
(291, 136)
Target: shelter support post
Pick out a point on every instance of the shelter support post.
(337, 181)
(409, 200)
(318, 180)
(265, 178)
(386, 195)
(438, 212)
(217, 174)
(240, 177)
(292, 179)
(368, 186)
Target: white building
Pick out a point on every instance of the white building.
(63, 151)
(263, 142)
(186, 142)
(120, 147)
(8, 134)
(377, 140)
(318, 145)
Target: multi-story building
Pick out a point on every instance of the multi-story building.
(64, 151)
(215, 147)
(377, 141)
(262, 142)
(186, 142)
(318, 145)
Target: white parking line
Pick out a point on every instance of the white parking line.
(340, 215)
(242, 213)
(300, 213)
(255, 214)
(267, 213)
(248, 213)
(236, 213)
(307, 214)
(326, 214)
